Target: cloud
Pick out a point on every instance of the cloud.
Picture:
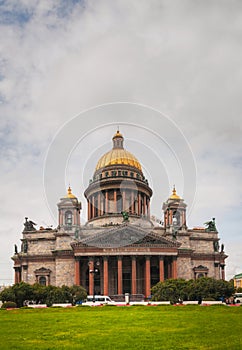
(183, 58)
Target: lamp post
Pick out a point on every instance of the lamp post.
(95, 271)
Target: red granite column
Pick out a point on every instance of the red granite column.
(91, 276)
(161, 268)
(174, 267)
(132, 203)
(115, 201)
(17, 275)
(120, 275)
(145, 205)
(147, 276)
(99, 204)
(171, 217)
(105, 275)
(124, 201)
(106, 202)
(77, 272)
(139, 204)
(133, 286)
(93, 206)
(222, 272)
(89, 209)
(148, 208)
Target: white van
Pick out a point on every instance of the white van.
(99, 300)
(238, 298)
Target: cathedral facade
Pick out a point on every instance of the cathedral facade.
(120, 249)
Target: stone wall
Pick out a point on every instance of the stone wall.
(202, 246)
(184, 268)
(65, 271)
(32, 266)
(41, 246)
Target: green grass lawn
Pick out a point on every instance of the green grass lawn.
(135, 327)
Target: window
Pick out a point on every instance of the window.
(68, 218)
(42, 281)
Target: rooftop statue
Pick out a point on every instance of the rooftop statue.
(29, 225)
(211, 227)
(125, 215)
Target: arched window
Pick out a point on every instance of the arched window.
(42, 280)
(68, 218)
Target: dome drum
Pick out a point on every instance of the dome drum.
(118, 185)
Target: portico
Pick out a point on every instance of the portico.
(131, 269)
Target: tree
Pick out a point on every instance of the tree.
(202, 288)
(78, 293)
(7, 295)
(171, 289)
(49, 295)
(17, 293)
(23, 291)
(40, 293)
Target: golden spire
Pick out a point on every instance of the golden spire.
(174, 195)
(118, 140)
(118, 155)
(69, 193)
(117, 134)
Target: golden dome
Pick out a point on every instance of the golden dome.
(69, 193)
(118, 155)
(174, 195)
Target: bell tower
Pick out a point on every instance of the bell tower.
(69, 212)
(174, 211)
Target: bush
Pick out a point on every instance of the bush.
(205, 287)
(9, 305)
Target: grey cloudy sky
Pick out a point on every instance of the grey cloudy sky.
(60, 59)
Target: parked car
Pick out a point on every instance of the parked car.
(238, 298)
(98, 300)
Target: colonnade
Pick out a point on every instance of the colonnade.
(116, 201)
(108, 273)
(180, 215)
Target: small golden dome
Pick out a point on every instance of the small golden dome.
(69, 193)
(118, 155)
(174, 195)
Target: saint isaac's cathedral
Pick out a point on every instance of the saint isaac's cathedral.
(120, 249)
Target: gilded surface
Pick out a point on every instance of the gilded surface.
(116, 157)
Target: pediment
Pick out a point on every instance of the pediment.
(126, 235)
(42, 270)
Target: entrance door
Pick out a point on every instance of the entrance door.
(126, 282)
